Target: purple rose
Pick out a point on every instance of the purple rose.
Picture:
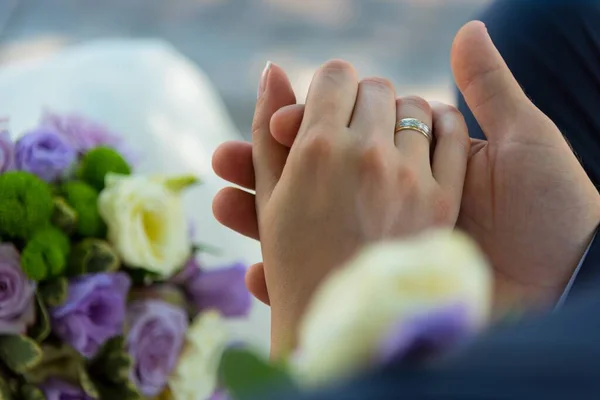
(93, 312)
(17, 306)
(426, 335)
(7, 152)
(222, 289)
(44, 153)
(56, 389)
(84, 134)
(154, 341)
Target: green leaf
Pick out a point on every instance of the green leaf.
(109, 370)
(177, 184)
(54, 292)
(142, 277)
(112, 363)
(93, 256)
(5, 393)
(244, 373)
(167, 293)
(121, 392)
(206, 248)
(64, 216)
(30, 392)
(40, 331)
(88, 386)
(58, 361)
(118, 368)
(19, 353)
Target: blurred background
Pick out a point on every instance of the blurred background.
(407, 41)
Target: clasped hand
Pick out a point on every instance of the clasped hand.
(332, 176)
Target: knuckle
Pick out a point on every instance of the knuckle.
(380, 84)
(371, 160)
(454, 128)
(338, 65)
(453, 110)
(455, 113)
(416, 102)
(317, 146)
(407, 180)
(338, 69)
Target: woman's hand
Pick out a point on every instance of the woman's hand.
(348, 180)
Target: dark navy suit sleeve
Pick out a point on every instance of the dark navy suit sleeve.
(587, 281)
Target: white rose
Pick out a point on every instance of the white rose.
(195, 377)
(146, 221)
(387, 284)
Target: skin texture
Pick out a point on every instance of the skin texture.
(526, 199)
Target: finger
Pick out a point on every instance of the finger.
(256, 283)
(232, 161)
(451, 149)
(488, 86)
(331, 96)
(375, 109)
(236, 209)
(286, 122)
(275, 91)
(413, 144)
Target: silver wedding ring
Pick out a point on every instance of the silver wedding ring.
(414, 124)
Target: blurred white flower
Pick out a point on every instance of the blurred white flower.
(195, 377)
(432, 286)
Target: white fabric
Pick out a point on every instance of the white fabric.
(164, 107)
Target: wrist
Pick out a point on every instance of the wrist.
(286, 315)
(534, 271)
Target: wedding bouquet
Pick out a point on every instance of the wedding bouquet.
(101, 296)
(408, 301)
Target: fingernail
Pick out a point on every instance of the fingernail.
(262, 85)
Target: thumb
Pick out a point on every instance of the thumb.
(488, 86)
(286, 122)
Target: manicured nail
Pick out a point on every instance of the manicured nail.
(262, 85)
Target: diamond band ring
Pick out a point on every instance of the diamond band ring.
(414, 124)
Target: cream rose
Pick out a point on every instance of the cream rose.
(385, 286)
(195, 377)
(146, 221)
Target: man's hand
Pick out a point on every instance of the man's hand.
(527, 200)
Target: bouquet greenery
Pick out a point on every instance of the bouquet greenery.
(101, 296)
